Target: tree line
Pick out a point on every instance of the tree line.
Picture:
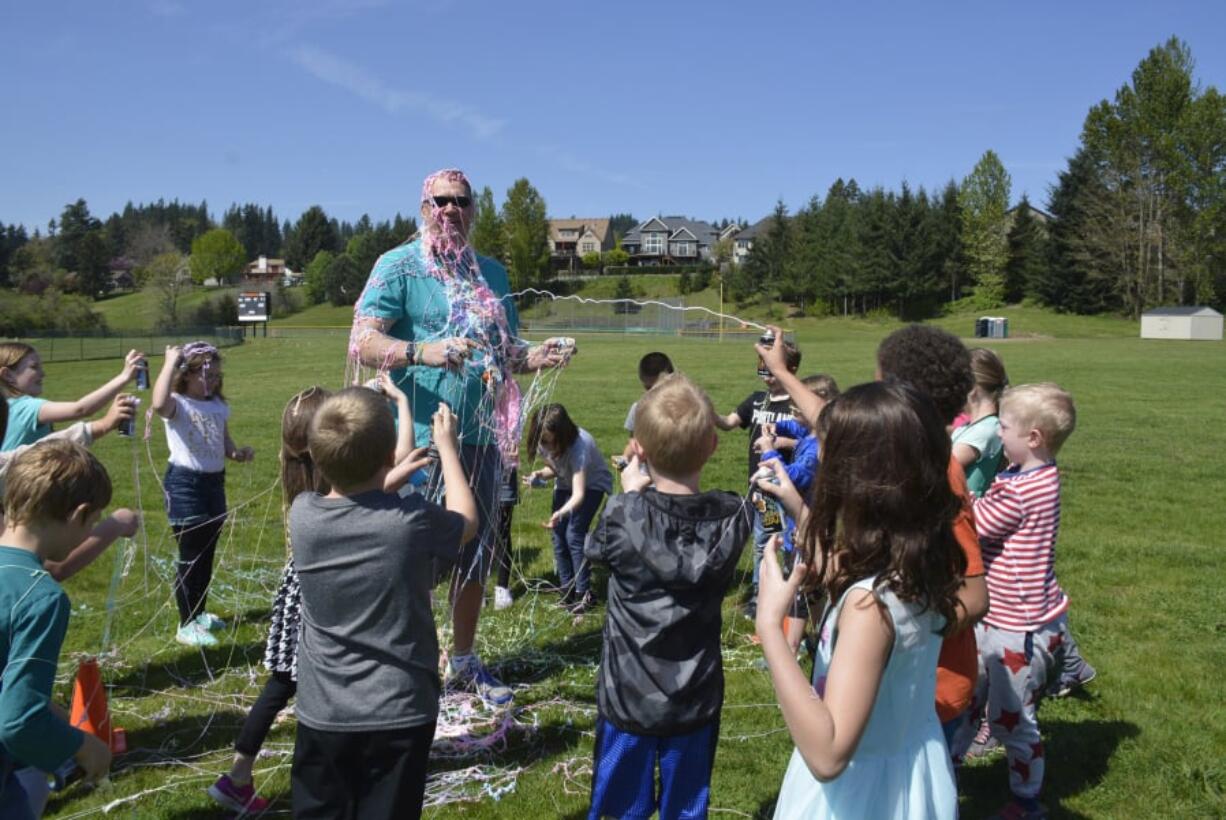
(1137, 219)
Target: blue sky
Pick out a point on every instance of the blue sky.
(705, 109)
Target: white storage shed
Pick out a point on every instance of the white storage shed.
(1182, 323)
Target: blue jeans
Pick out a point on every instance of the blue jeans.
(569, 536)
(760, 537)
(193, 498)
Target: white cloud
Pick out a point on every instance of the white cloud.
(569, 162)
(356, 80)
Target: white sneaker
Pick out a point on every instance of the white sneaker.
(210, 621)
(502, 598)
(193, 634)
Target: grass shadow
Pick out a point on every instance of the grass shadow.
(192, 667)
(1080, 756)
(533, 664)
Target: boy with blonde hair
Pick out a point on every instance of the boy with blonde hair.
(671, 550)
(55, 494)
(1021, 639)
(368, 683)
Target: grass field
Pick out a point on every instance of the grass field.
(1141, 555)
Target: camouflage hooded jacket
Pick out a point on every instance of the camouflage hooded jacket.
(671, 558)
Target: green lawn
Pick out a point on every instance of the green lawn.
(1141, 555)
(135, 311)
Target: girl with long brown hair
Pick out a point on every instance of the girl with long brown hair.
(878, 540)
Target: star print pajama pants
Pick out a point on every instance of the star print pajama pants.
(1015, 669)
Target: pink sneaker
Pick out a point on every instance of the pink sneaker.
(242, 799)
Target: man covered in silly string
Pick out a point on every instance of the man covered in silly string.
(436, 314)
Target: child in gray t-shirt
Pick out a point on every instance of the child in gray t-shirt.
(368, 684)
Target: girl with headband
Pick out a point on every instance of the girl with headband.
(188, 397)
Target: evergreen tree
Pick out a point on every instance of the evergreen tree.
(527, 234)
(93, 258)
(312, 233)
(344, 280)
(805, 257)
(946, 235)
(622, 224)
(403, 229)
(75, 222)
(768, 260)
(486, 235)
(1028, 256)
(878, 266)
(837, 267)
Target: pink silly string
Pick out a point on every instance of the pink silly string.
(441, 238)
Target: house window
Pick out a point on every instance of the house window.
(589, 247)
(653, 243)
(683, 249)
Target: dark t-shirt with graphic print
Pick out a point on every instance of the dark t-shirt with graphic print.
(671, 558)
(761, 408)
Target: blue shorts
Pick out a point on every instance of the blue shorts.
(192, 497)
(624, 778)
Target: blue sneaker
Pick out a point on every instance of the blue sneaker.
(470, 675)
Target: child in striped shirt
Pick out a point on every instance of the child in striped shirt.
(1021, 641)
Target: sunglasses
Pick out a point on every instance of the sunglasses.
(444, 201)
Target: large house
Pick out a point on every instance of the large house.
(670, 240)
(270, 270)
(742, 240)
(571, 239)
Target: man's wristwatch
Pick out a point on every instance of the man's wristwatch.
(410, 353)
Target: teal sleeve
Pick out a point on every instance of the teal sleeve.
(29, 731)
(384, 295)
(23, 425)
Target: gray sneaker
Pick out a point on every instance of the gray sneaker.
(1068, 684)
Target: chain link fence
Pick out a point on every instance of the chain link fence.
(75, 346)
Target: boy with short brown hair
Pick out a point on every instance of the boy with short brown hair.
(368, 683)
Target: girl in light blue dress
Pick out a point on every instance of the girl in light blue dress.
(878, 540)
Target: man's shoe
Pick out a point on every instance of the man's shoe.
(470, 675)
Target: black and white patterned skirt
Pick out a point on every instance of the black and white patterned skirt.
(281, 650)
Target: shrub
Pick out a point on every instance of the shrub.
(22, 315)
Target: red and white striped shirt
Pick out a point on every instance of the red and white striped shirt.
(1017, 520)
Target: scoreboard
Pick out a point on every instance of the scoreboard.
(254, 306)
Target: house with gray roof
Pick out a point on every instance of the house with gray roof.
(670, 240)
(742, 242)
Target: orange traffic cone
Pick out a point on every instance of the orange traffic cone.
(89, 709)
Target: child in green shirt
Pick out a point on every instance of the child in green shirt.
(55, 494)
